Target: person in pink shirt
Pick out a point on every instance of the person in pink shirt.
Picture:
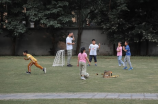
(82, 57)
(119, 54)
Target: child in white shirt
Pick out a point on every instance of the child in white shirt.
(93, 51)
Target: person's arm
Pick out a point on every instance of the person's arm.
(118, 50)
(99, 46)
(73, 38)
(88, 60)
(26, 58)
(71, 43)
(89, 51)
(124, 48)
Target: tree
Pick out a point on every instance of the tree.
(83, 9)
(129, 20)
(12, 17)
(49, 14)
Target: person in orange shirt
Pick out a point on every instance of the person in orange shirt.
(33, 61)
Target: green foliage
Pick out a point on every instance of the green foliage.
(6, 1)
(53, 14)
(13, 21)
(129, 20)
(123, 19)
(16, 27)
(83, 9)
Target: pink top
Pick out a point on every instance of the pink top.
(119, 53)
(82, 57)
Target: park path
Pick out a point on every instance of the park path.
(148, 96)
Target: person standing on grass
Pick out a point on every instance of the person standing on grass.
(119, 54)
(82, 57)
(33, 62)
(69, 47)
(127, 57)
(93, 51)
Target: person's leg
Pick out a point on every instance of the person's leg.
(129, 62)
(80, 67)
(118, 58)
(125, 61)
(95, 60)
(29, 66)
(39, 66)
(90, 58)
(120, 61)
(69, 55)
(82, 70)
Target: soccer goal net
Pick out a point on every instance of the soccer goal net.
(59, 58)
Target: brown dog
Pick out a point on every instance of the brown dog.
(107, 74)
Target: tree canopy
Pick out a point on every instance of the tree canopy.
(50, 13)
(18, 16)
(12, 16)
(134, 20)
(128, 19)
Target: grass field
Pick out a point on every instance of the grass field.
(142, 79)
(79, 101)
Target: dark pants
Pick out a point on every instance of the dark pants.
(91, 56)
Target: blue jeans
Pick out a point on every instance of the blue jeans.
(127, 60)
(119, 58)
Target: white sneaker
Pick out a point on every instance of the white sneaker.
(83, 78)
(44, 70)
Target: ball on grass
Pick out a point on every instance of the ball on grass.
(87, 75)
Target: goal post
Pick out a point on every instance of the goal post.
(59, 58)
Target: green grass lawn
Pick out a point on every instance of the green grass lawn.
(142, 79)
(79, 101)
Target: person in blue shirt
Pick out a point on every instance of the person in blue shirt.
(127, 57)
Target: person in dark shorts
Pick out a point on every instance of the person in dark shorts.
(93, 51)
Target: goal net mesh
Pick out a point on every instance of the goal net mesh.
(59, 58)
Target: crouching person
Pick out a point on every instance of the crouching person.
(33, 62)
(82, 57)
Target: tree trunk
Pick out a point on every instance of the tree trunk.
(147, 47)
(1, 20)
(114, 49)
(53, 42)
(80, 29)
(136, 48)
(53, 45)
(139, 48)
(78, 41)
(13, 45)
